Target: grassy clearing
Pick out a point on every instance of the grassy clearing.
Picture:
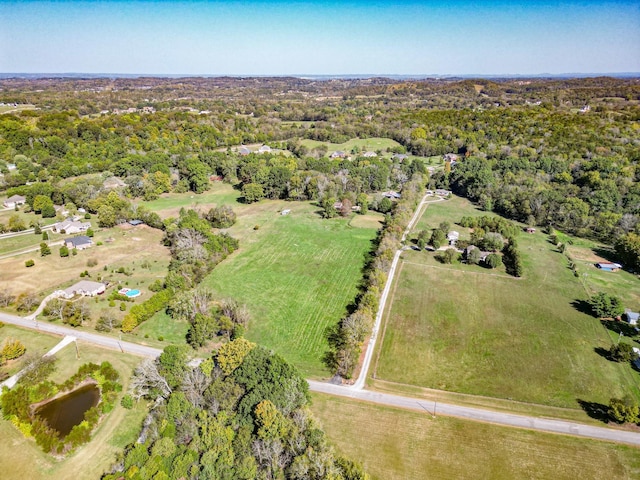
(33, 341)
(363, 144)
(20, 458)
(399, 444)
(297, 274)
(163, 326)
(464, 329)
(169, 205)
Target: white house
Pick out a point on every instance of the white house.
(71, 226)
(369, 154)
(14, 201)
(264, 149)
(85, 288)
(632, 317)
(453, 237)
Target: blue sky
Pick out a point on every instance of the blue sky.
(262, 37)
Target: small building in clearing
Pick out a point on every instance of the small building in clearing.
(86, 288)
(453, 237)
(14, 200)
(609, 267)
(631, 317)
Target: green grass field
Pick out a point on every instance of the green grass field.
(399, 444)
(33, 341)
(297, 274)
(463, 329)
(21, 458)
(364, 144)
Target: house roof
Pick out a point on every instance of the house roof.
(632, 315)
(608, 265)
(84, 285)
(16, 198)
(79, 240)
(453, 235)
(66, 224)
(135, 222)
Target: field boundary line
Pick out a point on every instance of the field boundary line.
(507, 277)
(386, 320)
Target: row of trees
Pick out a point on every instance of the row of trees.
(346, 338)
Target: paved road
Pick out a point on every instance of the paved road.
(520, 421)
(488, 416)
(95, 338)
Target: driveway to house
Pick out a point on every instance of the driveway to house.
(30, 249)
(426, 406)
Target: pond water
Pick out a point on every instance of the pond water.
(64, 413)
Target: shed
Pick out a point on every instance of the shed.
(285, 212)
(609, 267)
(135, 222)
(631, 317)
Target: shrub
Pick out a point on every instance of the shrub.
(29, 263)
(92, 262)
(64, 251)
(12, 349)
(127, 402)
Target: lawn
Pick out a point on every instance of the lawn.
(129, 248)
(400, 444)
(363, 144)
(20, 458)
(296, 273)
(463, 329)
(33, 341)
(169, 205)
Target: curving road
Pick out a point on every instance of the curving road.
(427, 406)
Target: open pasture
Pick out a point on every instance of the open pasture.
(296, 273)
(363, 144)
(467, 329)
(400, 444)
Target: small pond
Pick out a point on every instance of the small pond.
(64, 413)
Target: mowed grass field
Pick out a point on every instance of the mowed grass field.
(21, 458)
(467, 329)
(404, 445)
(364, 144)
(296, 273)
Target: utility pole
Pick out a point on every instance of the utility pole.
(77, 352)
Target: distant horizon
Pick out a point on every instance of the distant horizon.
(272, 37)
(316, 76)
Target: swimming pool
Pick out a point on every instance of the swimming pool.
(132, 293)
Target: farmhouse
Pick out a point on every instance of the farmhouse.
(14, 201)
(470, 248)
(391, 194)
(244, 151)
(450, 157)
(79, 243)
(442, 193)
(453, 237)
(369, 154)
(609, 267)
(400, 156)
(631, 317)
(85, 288)
(338, 154)
(71, 226)
(264, 149)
